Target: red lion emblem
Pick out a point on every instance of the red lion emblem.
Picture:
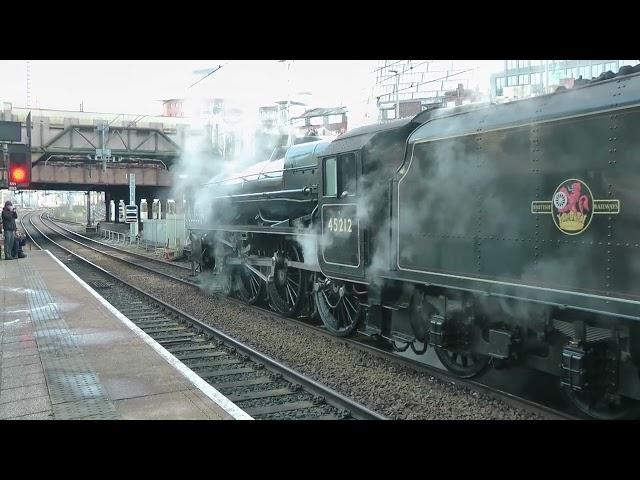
(574, 198)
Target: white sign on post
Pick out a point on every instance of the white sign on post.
(131, 214)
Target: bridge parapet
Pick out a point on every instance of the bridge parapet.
(58, 134)
(87, 176)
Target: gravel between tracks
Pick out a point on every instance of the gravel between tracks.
(395, 391)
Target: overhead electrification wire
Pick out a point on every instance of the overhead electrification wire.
(208, 74)
(430, 81)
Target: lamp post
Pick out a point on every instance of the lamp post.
(397, 92)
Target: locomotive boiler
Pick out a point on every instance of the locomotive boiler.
(268, 192)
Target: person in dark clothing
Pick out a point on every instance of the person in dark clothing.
(19, 242)
(9, 216)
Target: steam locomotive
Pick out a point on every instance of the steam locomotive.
(497, 234)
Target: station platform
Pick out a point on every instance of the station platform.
(67, 354)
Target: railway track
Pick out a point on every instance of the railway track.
(176, 273)
(261, 386)
(145, 262)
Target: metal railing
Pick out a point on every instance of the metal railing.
(140, 243)
(114, 236)
(162, 237)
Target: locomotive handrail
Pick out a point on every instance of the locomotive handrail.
(276, 194)
(245, 177)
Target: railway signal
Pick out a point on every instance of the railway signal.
(19, 166)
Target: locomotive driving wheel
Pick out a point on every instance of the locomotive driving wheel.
(338, 306)
(227, 281)
(251, 288)
(286, 291)
(463, 364)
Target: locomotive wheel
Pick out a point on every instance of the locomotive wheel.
(250, 286)
(287, 289)
(601, 407)
(338, 307)
(228, 282)
(461, 364)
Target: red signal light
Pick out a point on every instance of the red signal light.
(19, 166)
(18, 174)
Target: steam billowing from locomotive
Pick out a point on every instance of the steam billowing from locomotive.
(498, 235)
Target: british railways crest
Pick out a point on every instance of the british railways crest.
(573, 206)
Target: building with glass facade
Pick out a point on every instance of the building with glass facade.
(413, 85)
(522, 78)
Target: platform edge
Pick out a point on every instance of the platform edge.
(218, 398)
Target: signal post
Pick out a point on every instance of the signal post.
(16, 156)
(131, 210)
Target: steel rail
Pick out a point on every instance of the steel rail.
(128, 252)
(333, 397)
(436, 372)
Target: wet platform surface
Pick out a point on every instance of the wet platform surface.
(64, 354)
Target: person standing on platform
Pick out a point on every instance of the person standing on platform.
(9, 216)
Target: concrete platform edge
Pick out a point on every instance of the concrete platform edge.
(233, 410)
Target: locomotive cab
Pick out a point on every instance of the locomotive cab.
(356, 171)
(353, 210)
(340, 238)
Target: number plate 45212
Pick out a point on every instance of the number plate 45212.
(339, 224)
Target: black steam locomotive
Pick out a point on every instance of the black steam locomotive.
(498, 234)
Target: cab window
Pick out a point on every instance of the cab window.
(339, 175)
(330, 177)
(347, 174)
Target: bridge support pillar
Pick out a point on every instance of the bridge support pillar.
(107, 205)
(88, 194)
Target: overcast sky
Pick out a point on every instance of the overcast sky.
(136, 86)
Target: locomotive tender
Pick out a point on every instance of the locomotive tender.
(498, 235)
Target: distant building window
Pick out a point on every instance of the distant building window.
(612, 67)
(500, 83)
(523, 63)
(512, 80)
(535, 79)
(316, 121)
(523, 80)
(512, 64)
(335, 118)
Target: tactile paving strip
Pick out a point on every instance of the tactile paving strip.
(88, 409)
(69, 386)
(74, 389)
